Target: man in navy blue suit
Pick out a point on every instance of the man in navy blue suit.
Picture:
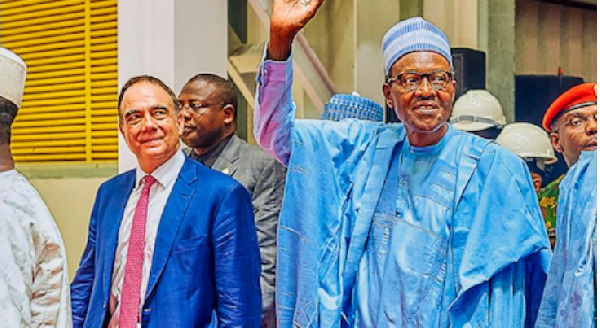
(171, 243)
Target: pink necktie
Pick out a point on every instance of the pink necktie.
(130, 296)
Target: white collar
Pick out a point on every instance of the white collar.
(8, 172)
(164, 174)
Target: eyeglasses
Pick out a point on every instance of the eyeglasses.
(134, 117)
(411, 81)
(197, 107)
(578, 121)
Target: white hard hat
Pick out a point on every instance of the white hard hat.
(527, 141)
(12, 76)
(477, 110)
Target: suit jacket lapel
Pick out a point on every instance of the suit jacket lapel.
(229, 156)
(171, 219)
(111, 224)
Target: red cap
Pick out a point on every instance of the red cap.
(579, 94)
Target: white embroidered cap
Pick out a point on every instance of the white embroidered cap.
(13, 73)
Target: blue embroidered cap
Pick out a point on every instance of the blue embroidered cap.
(414, 34)
(342, 106)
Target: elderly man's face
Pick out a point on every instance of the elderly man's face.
(575, 131)
(426, 109)
(149, 124)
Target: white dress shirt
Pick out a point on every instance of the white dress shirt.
(165, 176)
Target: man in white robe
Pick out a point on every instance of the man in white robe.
(34, 286)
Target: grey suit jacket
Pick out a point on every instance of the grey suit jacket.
(264, 178)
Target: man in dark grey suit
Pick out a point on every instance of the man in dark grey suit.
(209, 121)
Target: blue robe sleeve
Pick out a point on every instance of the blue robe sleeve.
(312, 224)
(570, 294)
(501, 248)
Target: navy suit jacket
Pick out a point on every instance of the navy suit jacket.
(206, 255)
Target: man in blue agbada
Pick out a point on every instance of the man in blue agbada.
(570, 294)
(397, 225)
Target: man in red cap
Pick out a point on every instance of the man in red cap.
(571, 122)
(570, 293)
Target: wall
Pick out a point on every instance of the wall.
(70, 201)
(346, 35)
(549, 36)
(371, 26)
(499, 39)
(190, 37)
(457, 18)
(330, 33)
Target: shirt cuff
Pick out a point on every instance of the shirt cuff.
(273, 71)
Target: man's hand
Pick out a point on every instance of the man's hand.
(287, 19)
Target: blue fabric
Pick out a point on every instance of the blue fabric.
(342, 106)
(414, 34)
(488, 271)
(206, 255)
(402, 271)
(570, 295)
(475, 219)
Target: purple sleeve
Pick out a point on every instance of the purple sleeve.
(274, 109)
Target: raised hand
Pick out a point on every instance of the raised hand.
(287, 19)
